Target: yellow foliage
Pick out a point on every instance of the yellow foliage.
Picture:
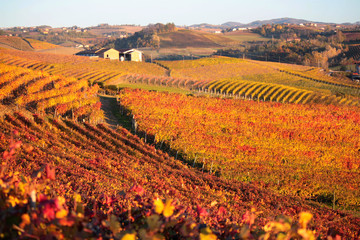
(159, 206)
(305, 218)
(25, 220)
(168, 209)
(129, 236)
(206, 234)
(61, 213)
(77, 197)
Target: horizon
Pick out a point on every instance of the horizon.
(29, 13)
(179, 25)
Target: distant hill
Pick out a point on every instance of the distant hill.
(261, 22)
(206, 25)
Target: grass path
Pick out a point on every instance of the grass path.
(112, 114)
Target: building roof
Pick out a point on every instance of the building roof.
(103, 50)
(127, 50)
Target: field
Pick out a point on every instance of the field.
(270, 144)
(24, 44)
(171, 52)
(255, 80)
(193, 166)
(241, 36)
(191, 38)
(354, 52)
(93, 70)
(15, 43)
(39, 92)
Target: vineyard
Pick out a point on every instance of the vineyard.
(354, 52)
(298, 150)
(99, 70)
(40, 92)
(268, 87)
(197, 167)
(108, 183)
(25, 44)
(40, 45)
(238, 78)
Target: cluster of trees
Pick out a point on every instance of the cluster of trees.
(63, 37)
(306, 46)
(148, 37)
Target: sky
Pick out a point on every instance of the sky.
(85, 13)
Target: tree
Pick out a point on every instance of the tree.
(340, 37)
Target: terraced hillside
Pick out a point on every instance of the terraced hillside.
(24, 44)
(262, 81)
(15, 43)
(300, 150)
(65, 176)
(116, 182)
(220, 76)
(37, 91)
(99, 70)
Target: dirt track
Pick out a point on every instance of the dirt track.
(109, 106)
(112, 113)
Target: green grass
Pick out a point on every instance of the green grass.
(153, 88)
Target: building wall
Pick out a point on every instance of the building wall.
(136, 56)
(111, 54)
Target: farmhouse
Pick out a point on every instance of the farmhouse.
(130, 55)
(113, 54)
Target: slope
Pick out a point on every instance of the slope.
(109, 168)
(15, 43)
(190, 38)
(113, 183)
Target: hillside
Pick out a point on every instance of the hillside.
(24, 44)
(15, 43)
(266, 81)
(245, 36)
(191, 38)
(99, 70)
(65, 174)
(84, 173)
(258, 142)
(106, 179)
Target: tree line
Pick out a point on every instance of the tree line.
(148, 37)
(305, 46)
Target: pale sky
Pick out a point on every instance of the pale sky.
(85, 13)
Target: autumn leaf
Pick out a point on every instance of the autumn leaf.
(138, 189)
(77, 198)
(206, 234)
(129, 236)
(168, 208)
(159, 206)
(50, 172)
(61, 213)
(305, 218)
(66, 222)
(201, 211)
(25, 220)
(49, 211)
